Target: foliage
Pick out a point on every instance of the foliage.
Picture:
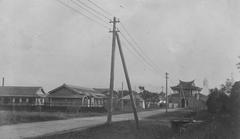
(238, 64)
(226, 88)
(217, 101)
(234, 103)
(149, 96)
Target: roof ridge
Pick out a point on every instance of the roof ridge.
(22, 86)
(80, 87)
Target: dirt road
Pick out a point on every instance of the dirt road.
(25, 130)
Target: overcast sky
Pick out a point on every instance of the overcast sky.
(46, 44)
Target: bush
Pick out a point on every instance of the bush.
(217, 101)
(234, 103)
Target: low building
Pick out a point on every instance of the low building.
(125, 102)
(75, 96)
(21, 96)
(187, 95)
(106, 92)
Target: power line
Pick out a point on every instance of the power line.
(94, 10)
(138, 54)
(134, 53)
(137, 45)
(102, 9)
(86, 9)
(79, 12)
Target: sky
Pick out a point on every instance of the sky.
(43, 43)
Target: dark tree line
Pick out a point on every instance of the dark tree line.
(226, 99)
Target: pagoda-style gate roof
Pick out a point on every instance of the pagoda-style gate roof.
(186, 86)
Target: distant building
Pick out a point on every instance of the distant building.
(125, 101)
(187, 95)
(139, 102)
(75, 96)
(106, 92)
(21, 96)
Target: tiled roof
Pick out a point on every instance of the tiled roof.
(186, 85)
(137, 97)
(21, 91)
(80, 91)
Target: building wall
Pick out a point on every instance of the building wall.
(62, 97)
(21, 100)
(190, 102)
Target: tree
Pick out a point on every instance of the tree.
(234, 103)
(226, 88)
(217, 101)
(238, 64)
(148, 96)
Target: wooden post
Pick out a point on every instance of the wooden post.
(166, 92)
(110, 103)
(122, 97)
(128, 81)
(3, 81)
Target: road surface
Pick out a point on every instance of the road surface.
(27, 130)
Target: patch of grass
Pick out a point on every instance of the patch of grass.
(14, 117)
(118, 130)
(221, 126)
(179, 114)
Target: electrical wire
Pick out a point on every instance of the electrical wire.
(79, 12)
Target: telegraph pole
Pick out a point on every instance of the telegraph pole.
(122, 97)
(128, 81)
(110, 103)
(3, 81)
(166, 92)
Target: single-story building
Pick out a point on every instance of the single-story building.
(21, 96)
(75, 96)
(125, 102)
(106, 92)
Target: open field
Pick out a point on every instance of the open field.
(14, 117)
(219, 127)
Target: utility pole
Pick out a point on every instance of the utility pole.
(122, 97)
(3, 81)
(110, 103)
(166, 92)
(128, 81)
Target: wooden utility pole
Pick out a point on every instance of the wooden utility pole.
(128, 81)
(166, 92)
(3, 81)
(122, 97)
(110, 103)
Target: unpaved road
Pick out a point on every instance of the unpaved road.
(26, 130)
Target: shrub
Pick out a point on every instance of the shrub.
(217, 101)
(234, 103)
